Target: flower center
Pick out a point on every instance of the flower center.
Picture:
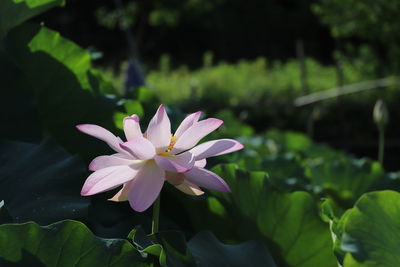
(172, 143)
(169, 148)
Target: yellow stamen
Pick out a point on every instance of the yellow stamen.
(172, 143)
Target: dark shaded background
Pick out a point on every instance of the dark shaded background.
(232, 30)
(235, 30)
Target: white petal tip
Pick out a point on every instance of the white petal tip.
(85, 193)
(133, 117)
(92, 166)
(217, 121)
(225, 187)
(138, 209)
(81, 127)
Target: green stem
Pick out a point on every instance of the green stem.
(381, 147)
(156, 215)
(310, 123)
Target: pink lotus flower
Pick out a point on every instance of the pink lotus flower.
(146, 161)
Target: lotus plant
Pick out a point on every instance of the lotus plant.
(146, 160)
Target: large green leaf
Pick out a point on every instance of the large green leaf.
(17, 105)
(286, 172)
(294, 163)
(288, 223)
(14, 12)
(66, 243)
(168, 246)
(41, 182)
(204, 249)
(65, 91)
(331, 212)
(371, 230)
(210, 252)
(345, 178)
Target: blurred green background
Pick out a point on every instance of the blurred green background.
(253, 59)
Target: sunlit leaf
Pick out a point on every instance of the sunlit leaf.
(14, 12)
(288, 223)
(66, 243)
(371, 230)
(64, 89)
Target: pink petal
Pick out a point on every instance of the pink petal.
(215, 148)
(187, 122)
(132, 127)
(102, 134)
(200, 163)
(159, 130)
(109, 178)
(195, 133)
(207, 179)
(178, 163)
(189, 188)
(174, 178)
(122, 195)
(146, 186)
(140, 148)
(124, 156)
(108, 161)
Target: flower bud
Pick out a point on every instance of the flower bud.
(381, 114)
